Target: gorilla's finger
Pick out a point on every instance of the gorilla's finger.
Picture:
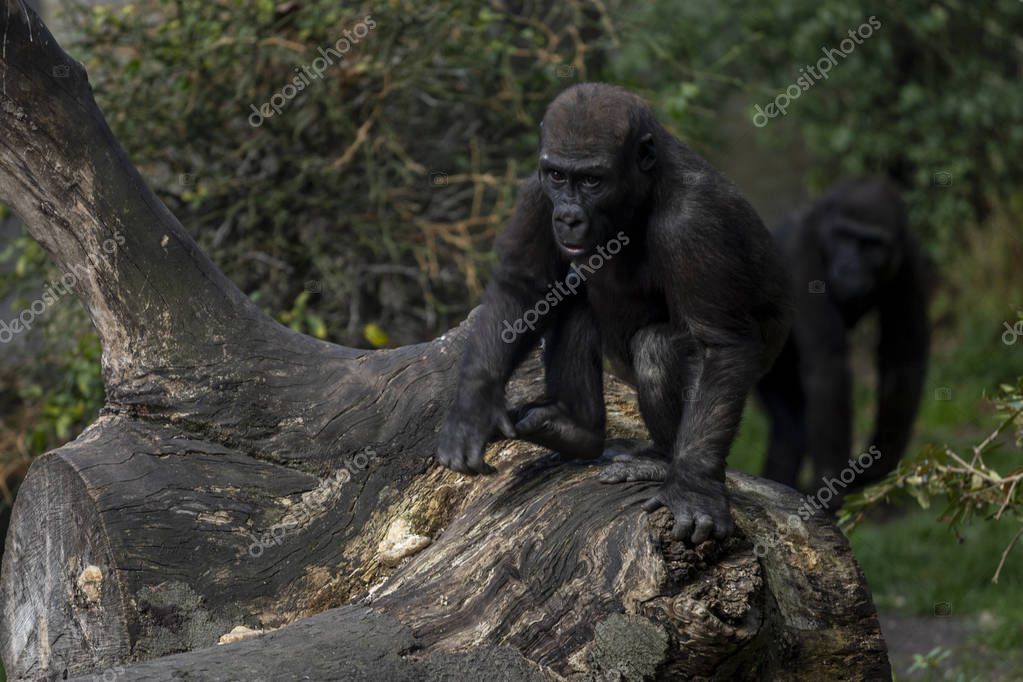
(723, 527)
(504, 425)
(653, 504)
(528, 424)
(474, 458)
(480, 466)
(704, 527)
(649, 471)
(611, 474)
(443, 457)
(683, 527)
(631, 468)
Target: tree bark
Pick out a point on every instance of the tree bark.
(241, 474)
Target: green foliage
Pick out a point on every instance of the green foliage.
(63, 383)
(25, 262)
(931, 97)
(932, 660)
(303, 320)
(71, 397)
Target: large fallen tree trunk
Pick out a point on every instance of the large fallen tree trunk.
(241, 474)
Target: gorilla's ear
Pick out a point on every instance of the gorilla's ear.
(647, 153)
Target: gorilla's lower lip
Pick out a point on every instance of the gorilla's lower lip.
(573, 249)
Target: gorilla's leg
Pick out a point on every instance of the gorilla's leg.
(666, 364)
(782, 395)
(572, 419)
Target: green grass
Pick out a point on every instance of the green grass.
(913, 564)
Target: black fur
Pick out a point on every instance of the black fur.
(849, 253)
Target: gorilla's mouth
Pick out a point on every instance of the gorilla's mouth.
(572, 249)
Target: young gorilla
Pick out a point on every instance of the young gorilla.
(630, 244)
(849, 253)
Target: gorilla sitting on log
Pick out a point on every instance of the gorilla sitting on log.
(626, 243)
(848, 253)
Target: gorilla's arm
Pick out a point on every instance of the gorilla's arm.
(499, 339)
(717, 291)
(902, 362)
(695, 489)
(827, 382)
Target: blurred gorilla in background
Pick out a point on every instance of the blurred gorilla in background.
(848, 253)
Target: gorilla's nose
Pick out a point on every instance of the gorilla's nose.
(571, 222)
(570, 216)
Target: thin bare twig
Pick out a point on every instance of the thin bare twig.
(979, 449)
(1005, 554)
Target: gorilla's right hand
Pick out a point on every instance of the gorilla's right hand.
(466, 433)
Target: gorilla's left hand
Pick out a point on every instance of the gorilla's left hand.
(463, 441)
(699, 505)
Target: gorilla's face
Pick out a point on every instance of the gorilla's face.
(861, 257)
(584, 198)
(597, 160)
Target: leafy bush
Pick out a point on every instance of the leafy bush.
(62, 384)
(396, 133)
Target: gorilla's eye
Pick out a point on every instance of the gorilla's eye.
(590, 181)
(556, 176)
